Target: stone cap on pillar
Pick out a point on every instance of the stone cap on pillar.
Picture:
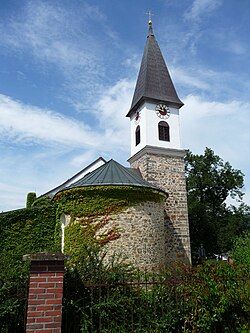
(43, 256)
(45, 262)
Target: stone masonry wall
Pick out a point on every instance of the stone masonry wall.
(141, 240)
(167, 172)
(138, 232)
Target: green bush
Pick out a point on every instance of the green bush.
(210, 298)
(241, 250)
(22, 231)
(31, 197)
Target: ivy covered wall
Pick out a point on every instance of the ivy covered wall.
(23, 231)
(38, 229)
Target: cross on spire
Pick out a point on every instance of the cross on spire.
(150, 26)
(150, 14)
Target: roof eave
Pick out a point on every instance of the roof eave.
(110, 184)
(178, 103)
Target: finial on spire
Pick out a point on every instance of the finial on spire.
(150, 14)
(150, 25)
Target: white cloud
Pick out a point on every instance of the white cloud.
(111, 110)
(200, 8)
(83, 159)
(216, 85)
(60, 36)
(217, 124)
(46, 167)
(224, 127)
(22, 123)
(187, 78)
(229, 40)
(12, 196)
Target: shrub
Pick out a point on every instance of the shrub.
(241, 249)
(210, 298)
(22, 231)
(31, 197)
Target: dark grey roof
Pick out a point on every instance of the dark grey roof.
(52, 192)
(154, 81)
(113, 173)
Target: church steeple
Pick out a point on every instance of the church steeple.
(156, 144)
(154, 82)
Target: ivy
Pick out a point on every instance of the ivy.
(23, 231)
(31, 197)
(100, 200)
(42, 201)
(90, 209)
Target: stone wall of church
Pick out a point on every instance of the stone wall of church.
(136, 235)
(141, 236)
(167, 171)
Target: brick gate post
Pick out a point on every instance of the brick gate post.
(44, 311)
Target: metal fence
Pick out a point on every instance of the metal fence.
(142, 305)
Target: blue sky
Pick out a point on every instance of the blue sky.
(67, 75)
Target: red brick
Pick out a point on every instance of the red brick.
(45, 296)
(36, 290)
(52, 290)
(53, 325)
(47, 274)
(58, 296)
(31, 314)
(58, 319)
(46, 285)
(53, 301)
(31, 308)
(34, 326)
(35, 278)
(44, 320)
(55, 279)
(45, 308)
(53, 313)
(36, 302)
(30, 320)
(46, 331)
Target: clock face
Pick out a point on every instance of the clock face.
(162, 111)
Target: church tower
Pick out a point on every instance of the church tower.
(156, 146)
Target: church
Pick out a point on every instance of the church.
(150, 229)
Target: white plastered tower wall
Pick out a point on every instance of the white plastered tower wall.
(148, 122)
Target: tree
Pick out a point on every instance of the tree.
(241, 249)
(210, 182)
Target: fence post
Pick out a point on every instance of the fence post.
(44, 311)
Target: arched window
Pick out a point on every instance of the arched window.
(163, 129)
(137, 135)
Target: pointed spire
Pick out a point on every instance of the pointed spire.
(154, 82)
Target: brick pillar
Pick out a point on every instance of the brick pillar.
(44, 313)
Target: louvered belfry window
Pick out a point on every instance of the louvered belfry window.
(163, 129)
(137, 135)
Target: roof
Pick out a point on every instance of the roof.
(154, 82)
(82, 172)
(113, 173)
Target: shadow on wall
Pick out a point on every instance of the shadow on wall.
(176, 242)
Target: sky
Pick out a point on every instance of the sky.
(68, 71)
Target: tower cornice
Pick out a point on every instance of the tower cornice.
(158, 151)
